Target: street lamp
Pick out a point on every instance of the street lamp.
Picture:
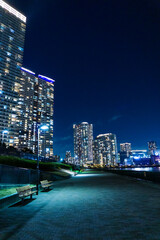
(44, 128)
(4, 132)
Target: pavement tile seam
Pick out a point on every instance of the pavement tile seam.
(77, 212)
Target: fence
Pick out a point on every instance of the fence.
(15, 175)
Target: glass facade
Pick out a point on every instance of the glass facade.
(37, 109)
(105, 150)
(12, 36)
(152, 146)
(83, 141)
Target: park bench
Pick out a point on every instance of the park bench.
(45, 184)
(25, 191)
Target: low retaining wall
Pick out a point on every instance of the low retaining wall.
(15, 175)
(9, 200)
(151, 176)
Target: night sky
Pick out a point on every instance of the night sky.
(105, 58)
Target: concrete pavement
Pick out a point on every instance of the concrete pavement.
(87, 207)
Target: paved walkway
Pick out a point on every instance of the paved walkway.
(87, 207)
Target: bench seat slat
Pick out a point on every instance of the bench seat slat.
(25, 191)
(46, 184)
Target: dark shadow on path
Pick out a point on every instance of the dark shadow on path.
(23, 203)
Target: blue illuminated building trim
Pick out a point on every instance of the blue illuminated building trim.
(46, 78)
(26, 70)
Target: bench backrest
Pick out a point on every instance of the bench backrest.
(22, 190)
(44, 182)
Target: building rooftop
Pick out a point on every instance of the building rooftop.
(27, 70)
(105, 134)
(12, 11)
(39, 76)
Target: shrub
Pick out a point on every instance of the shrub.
(32, 164)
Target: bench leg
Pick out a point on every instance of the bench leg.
(31, 196)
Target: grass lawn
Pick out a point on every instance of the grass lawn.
(32, 164)
(9, 191)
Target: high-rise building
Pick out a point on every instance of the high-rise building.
(26, 101)
(28, 111)
(152, 146)
(125, 147)
(37, 108)
(105, 150)
(68, 157)
(12, 36)
(83, 141)
(125, 151)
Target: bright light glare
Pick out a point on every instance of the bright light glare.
(69, 172)
(5, 131)
(147, 169)
(44, 127)
(88, 175)
(27, 70)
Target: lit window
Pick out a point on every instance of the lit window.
(6, 71)
(10, 38)
(21, 49)
(12, 31)
(9, 54)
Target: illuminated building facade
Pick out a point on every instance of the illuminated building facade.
(139, 153)
(83, 141)
(37, 108)
(125, 151)
(27, 111)
(12, 36)
(105, 150)
(152, 146)
(68, 157)
(139, 157)
(125, 147)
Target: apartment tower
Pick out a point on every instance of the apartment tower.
(83, 141)
(12, 36)
(105, 150)
(37, 96)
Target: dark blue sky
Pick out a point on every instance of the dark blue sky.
(105, 58)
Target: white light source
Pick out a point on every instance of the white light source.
(5, 131)
(27, 70)
(46, 78)
(12, 10)
(44, 127)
